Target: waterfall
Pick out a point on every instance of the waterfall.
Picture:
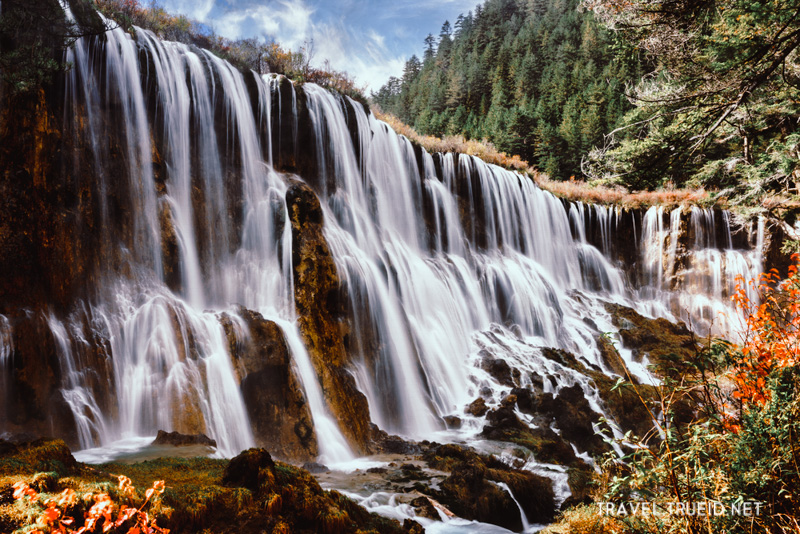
(694, 279)
(6, 349)
(525, 523)
(446, 262)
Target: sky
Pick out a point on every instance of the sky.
(370, 39)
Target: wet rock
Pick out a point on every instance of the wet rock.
(627, 404)
(319, 311)
(502, 424)
(423, 507)
(477, 407)
(377, 470)
(249, 469)
(567, 359)
(669, 346)
(170, 253)
(315, 467)
(575, 417)
(34, 402)
(382, 442)
(452, 421)
(502, 419)
(500, 370)
(471, 490)
(177, 439)
(611, 357)
(537, 382)
(273, 395)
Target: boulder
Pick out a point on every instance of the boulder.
(177, 439)
(472, 491)
(477, 407)
(315, 468)
(249, 470)
(575, 418)
(669, 346)
(500, 370)
(452, 421)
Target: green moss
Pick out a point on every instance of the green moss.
(38, 456)
(287, 499)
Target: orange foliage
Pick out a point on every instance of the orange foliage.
(100, 517)
(772, 336)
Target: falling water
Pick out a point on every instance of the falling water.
(447, 261)
(6, 349)
(525, 523)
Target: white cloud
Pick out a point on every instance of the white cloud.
(195, 9)
(288, 22)
(369, 42)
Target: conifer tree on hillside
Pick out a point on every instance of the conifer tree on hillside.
(722, 108)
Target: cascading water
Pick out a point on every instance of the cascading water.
(6, 349)
(448, 262)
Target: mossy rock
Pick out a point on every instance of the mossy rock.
(42, 455)
(668, 346)
(202, 494)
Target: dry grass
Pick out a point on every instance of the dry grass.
(585, 519)
(577, 190)
(602, 194)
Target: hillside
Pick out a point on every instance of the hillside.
(639, 94)
(540, 79)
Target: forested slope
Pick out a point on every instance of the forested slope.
(539, 78)
(641, 94)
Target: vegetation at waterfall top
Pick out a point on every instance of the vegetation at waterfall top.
(632, 93)
(27, 60)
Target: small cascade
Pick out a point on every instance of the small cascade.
(6, 349)
(526, 526)
(172, 370)
(333, 445)
(175, 107)
(692, 270)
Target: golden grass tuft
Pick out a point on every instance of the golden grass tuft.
(273, 504)
(334, 520)
(585, 519)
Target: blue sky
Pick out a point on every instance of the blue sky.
(369, 39)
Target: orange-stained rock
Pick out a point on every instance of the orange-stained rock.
(319, 311)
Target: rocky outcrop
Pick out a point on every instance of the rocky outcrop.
(319, 311)
(547, 446)
(471, 491)
(249, 494)
(273, 395)
(667, 345)
(33, 400)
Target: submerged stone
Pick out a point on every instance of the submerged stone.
(177, 439)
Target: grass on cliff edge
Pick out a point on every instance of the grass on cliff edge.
(576, 190)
